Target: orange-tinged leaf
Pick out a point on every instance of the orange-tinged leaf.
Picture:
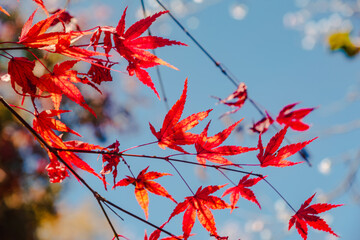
(4, 11)
(199, 205)
(45, 124)
(273, 156)
(293, 118)
(60, 82)
(306, 215)
(143, 184)
(30, 35)
(242, 189)
(207, 147)
(173, 132)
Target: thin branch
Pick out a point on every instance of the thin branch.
(162, 88)
(113, 211)
(139, 218)
(279, 194)
(182, 177)
(160, 158)
(108, 219)
(226, 177)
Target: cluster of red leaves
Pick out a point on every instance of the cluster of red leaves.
(44, 124)
(132, 47)
(286, 116)
(173, 133)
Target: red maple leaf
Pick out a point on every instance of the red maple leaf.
(242, 189)
(263, 125)
(293, 118)
(45, 124)
(306, 215)
(35, 36)
(111, 161)
(20, 70)
(99, 74)
(131, 46)
(273, 156)
(60, 82)
(173, 132)
(239, 96)
(143, 184)
(58, 42)
(207, 147)
(200, 205)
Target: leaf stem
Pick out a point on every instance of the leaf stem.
(141, 145)
(107, 218)
(182, 177)
(283, 198)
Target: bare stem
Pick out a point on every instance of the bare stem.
(182, 177)
(108, 219)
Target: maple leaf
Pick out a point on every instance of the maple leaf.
(239, 96)
(20, 70)
(207, 147)
(293, 118)
(306, 215)
(242, 189)
(45, 124)
(200, 205)
(173, 132)
(100, 74)
(63, 46)
(143, 184)
(58, 42)
(112, 161)
(60, 82)
(35, 36)
(263, 125)
(273, 156)
(131, 46)
(4, 11)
